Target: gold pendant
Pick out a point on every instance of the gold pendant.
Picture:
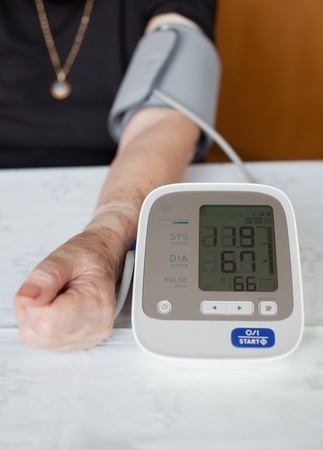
(60, 89)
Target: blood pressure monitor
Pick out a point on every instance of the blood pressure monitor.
(217, 277)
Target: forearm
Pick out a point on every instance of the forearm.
(68, 300)
(156, 147)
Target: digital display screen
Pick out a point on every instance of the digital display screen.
(237, 249)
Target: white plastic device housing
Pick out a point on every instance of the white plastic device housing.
(207, 343)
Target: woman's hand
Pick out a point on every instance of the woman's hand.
(68, 301)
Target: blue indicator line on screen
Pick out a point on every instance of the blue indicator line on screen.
(180, 222)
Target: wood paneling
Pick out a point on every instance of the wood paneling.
(271, 101)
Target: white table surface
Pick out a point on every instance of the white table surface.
(116, 397)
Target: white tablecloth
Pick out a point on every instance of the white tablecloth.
(116, 397)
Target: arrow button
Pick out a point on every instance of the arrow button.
(240, 308)
(210, 307)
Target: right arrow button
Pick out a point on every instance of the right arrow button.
(240, 308)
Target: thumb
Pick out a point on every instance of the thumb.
(45, 282)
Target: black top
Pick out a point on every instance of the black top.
(37, 130)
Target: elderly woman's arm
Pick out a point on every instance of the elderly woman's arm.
(68, 301)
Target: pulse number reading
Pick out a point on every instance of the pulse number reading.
(237, 248)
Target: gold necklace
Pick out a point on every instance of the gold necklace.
(61, 88)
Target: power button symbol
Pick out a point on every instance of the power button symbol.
(164, 307)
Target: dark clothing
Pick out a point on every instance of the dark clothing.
(37, 130)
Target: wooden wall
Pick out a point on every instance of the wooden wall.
(271, 101)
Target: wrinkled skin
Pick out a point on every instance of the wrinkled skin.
(68, 301)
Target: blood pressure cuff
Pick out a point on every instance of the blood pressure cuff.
(179, 61)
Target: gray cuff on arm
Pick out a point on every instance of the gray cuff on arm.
(179, 61)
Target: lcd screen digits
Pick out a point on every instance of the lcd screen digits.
(237, 249)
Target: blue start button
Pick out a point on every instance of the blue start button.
(253, 337)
